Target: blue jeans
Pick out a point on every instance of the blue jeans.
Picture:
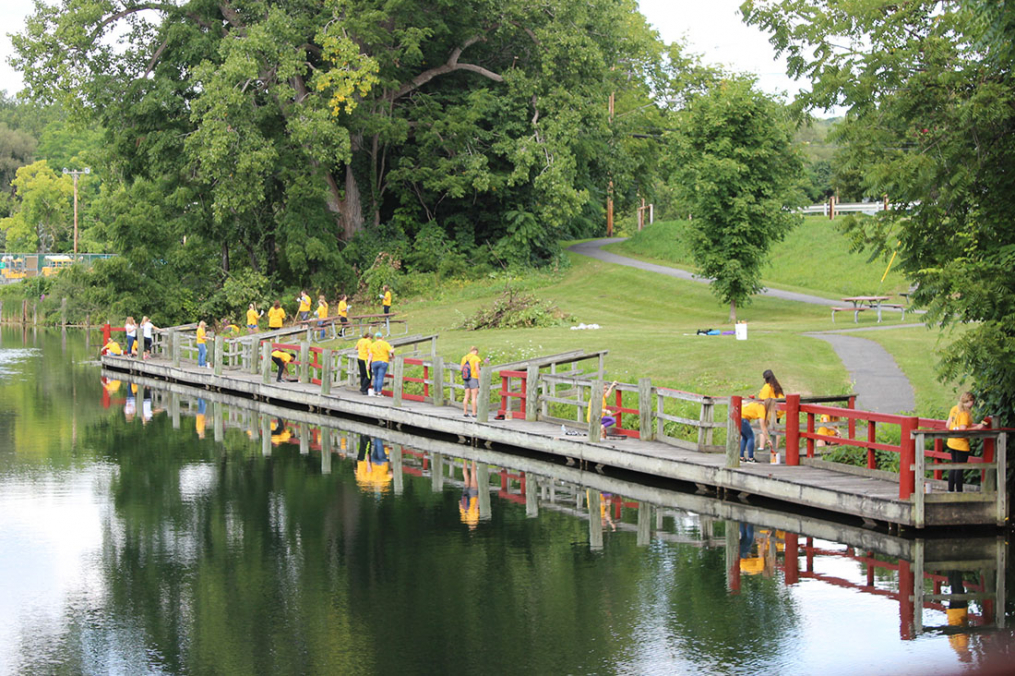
(202, 355)
(379, 368)
(130, 345)
(746, 438)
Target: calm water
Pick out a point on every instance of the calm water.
(144, 531)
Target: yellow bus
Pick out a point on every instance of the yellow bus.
(54, 264)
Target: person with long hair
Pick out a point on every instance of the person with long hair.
(960, 418)
(771, 391)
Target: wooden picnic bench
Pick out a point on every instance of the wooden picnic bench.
(855, 310)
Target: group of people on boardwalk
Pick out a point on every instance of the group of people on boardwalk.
(133, 345)
(277, 314)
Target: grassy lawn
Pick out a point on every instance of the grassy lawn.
(648, 324)
(814, 258)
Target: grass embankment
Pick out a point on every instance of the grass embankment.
(648, 322)
(814, 258)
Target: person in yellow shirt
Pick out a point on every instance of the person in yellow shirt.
(470, 376)
(827, 431)
(343, 312)
(468, 506)
(199, 419)
(960, 418)
(252, 317)
(322, 312)
(276, 315)
(386, 299)
(281, 359)
(363, 359)
(607, 420)
(772, 390)
(202, 345)
(380, 355)
(304, 301)
(112, 347)
(754, 410)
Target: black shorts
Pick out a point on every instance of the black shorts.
(147, 344)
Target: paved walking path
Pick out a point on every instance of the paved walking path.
(880, 384)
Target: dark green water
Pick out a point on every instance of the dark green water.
(137, 536)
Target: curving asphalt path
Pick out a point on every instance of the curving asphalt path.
(879, 382)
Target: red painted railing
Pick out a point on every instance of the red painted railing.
(506, 393)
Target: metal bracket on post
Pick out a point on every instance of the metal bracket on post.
(397, 385)
(304, 361)
(265, 362)
(532, 393)
(596, 412)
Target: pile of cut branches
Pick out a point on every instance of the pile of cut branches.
(516, 310)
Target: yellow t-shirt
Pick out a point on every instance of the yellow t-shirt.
(251, 317)
(959, 418)
(363, 348)
(343, 309)
(322, 310)
(473, 361)
(304, 303)
(201, 336)
(752, 411)
(284, 356)
(199, 424)
(380, 350)
(275, 317)
(387, 299)
(768, 392)
(469, 515)
(113, 347)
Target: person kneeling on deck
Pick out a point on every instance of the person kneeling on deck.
(112, 347)
(281, 360)
(470, 377)
(607, 421)
(380, 354)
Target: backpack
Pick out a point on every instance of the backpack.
(466, 372)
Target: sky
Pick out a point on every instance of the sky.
(713, 29)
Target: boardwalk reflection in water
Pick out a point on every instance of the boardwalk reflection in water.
(941, 587)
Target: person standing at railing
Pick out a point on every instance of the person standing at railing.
(607, 421)
(363, 360)
(771, 390)
(343, 312)
(380, 355)
(202, 345)
(252, 317)
(304, 301)
(386, 299)
(753, 410)
(322, 312)
(470, 377)
(130, 330)
(148, 334)
(960, 418)
(276, 315)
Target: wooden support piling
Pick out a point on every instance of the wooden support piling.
(219, 356)
(398, 385)
(483, 408)
(483, 482)
(595, 520)
(304, 432)
(436, 472)
(596, 416)
(218, 424)
(325, 450)
(265, 362)
(396, 468)
(265, 436)
(63, 311)
(305, 361)
(644, 524)
(531, 496)
(328, 358)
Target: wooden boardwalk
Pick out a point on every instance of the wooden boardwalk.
(872, 498)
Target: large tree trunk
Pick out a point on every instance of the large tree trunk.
(733, 312)
(350, 214)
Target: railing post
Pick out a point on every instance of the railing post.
(919, 511)
(437, 376)
(255, 365)
(219, 356)
(531, 393)
(704, 417)
(483, 407)
(851, 425)
(733, 434)
(327, 359)
(1001, 472)
(907, 449)
(645, 405)
(872, 436)
(596, 417)
(304, 361)
(325, 450)
(265, 362)
(175, 349)
(792, 429)
(397, 386)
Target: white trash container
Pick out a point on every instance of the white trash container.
(741, 330)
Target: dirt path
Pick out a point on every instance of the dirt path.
(880, 384)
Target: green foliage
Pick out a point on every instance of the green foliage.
(42, 215)
(732, 158)
(931, 122)
(517, 310)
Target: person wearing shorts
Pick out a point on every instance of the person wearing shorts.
(252, 318)
(148, 334)
(470, 367)
(304, 301)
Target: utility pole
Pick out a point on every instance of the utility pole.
(609, 190)
(75, 174)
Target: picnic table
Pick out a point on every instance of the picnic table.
(860, 304)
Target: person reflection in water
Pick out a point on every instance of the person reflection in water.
(958, 617)
(280, 432)
(130, 403)
(147, 412)
(468, 506)
(373, 471)
(199, 419)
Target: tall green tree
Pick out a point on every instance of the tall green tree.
(930, 94)
(732, 159)
(43, 210)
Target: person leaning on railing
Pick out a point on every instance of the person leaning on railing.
(380, 353)
(960, 418)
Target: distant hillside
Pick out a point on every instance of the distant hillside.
(814, 139)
